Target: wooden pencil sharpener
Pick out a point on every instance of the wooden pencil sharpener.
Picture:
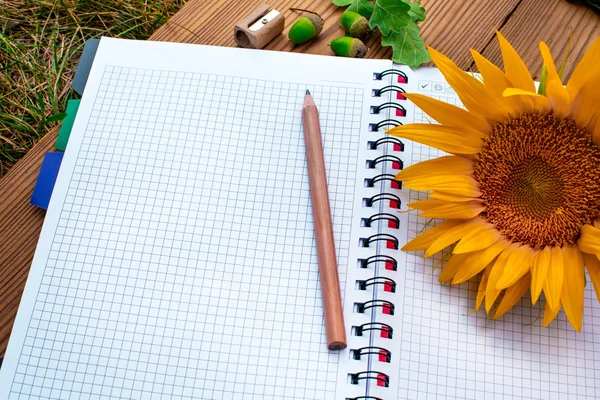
(259, 28)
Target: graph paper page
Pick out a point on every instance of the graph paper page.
(450, 352)
(177, 257)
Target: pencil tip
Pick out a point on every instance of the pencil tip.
(307, 92)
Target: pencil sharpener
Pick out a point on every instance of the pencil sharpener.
(259, 28)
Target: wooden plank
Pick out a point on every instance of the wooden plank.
(549, 21)
(21, 225)
(451, 26)
(454, 27)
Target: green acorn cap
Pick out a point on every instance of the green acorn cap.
(347, 46)
(355, 24)
(305, 28)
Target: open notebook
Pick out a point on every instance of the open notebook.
(177, 258)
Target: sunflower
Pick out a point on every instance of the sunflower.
(519, 190)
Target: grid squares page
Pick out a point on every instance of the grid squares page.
(180, 256)
(451, 352)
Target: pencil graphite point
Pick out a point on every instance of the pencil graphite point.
(307, 91)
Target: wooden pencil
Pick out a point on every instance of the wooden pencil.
(328, 271)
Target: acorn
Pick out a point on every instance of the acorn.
(306, 28)
(355, 24)
(347, 46)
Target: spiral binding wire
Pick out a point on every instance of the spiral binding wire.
(385, 329)
(380, 377)
(388, 260)
(364, 398)
(387, 240)
(380, 351)
(398, 145)
(387, 283)
(386, 122)
(394, 222)
(400, 111)
(390, 88)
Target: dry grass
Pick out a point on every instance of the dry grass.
(40, 44)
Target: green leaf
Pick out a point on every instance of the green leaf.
(561, 71)
(56, 117)
(594, 4)
(390, 16)
(408, 46)
(542, 86)
(417, 13)
(363, 7)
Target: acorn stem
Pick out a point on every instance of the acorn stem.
(304, 10)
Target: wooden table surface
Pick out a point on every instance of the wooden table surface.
(452, 27)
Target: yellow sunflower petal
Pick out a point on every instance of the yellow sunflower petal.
(426, 204)
(448, 165)
(552, 74)
(589, 241)
(554, 280)
(448, 197)
(481, 290)
(592, 264)
(559, 98)
(584, 107)
(520, 92)
(549, 314)
(571, 295)
(424, 240)
(496, 81)
(445, 138)
(497, 269)
(464, 210)
(472, 93)
(477, 261)
(447, 114)
(514, 67)
(594, 122)
(452, 267)
(493, 77)
(461, 185)
(481, 237)
(587, 67)
(541, 102)
(516, 267)
(539, 272)
(512, 295)
(452, 235)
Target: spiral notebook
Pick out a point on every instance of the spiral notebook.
(177, 258)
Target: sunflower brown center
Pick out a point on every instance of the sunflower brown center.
(540, 179)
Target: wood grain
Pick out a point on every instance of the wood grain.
(21, 224)
(451, 27)
(550, 21)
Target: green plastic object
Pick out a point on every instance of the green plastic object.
(67, 125)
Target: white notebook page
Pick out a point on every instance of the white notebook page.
(177, 257)
(450, 352)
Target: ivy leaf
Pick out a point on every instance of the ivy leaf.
(390, 16)
(417, 13)
(363, 7)
(408, 46)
